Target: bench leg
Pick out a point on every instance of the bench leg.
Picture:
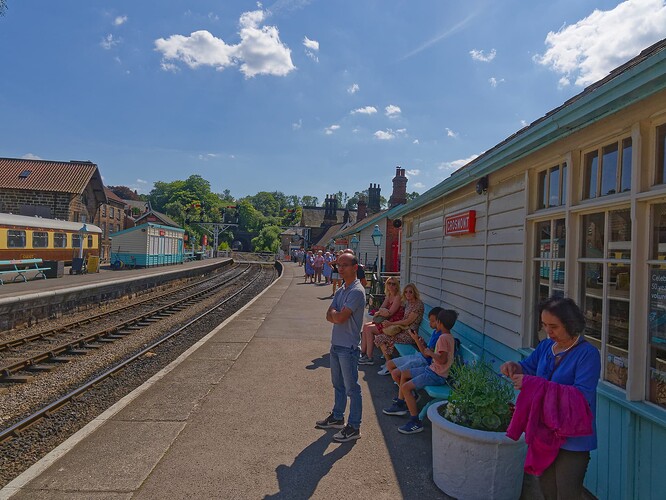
(20, 275)
(424, 411)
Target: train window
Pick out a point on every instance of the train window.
(76, 241)
(60, 240)
(90, 241)
(40, 239)
(15, 239)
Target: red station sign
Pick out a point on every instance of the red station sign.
(462, 223)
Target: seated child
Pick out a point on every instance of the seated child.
(395, 366)
(434, 374)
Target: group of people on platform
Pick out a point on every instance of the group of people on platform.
(321, 267)
(564, 369)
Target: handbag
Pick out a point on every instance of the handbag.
(393, 330)
(379, 319)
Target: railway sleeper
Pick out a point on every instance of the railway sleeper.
(58, 359)
(17, 378)
(76, 352)
(40, 368)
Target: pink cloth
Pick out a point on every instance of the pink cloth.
(548, 413)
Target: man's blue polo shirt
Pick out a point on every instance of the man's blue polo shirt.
(348, 334)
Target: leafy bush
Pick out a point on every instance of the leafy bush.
(480, 398)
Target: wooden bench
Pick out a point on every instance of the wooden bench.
(20, 267)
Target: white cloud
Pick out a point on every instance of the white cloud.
(331, 129)
(354, 88)
(213, 17)
(119, 20)
(392, 110)
(586, 51)
(298, 125)
(260, 51)
(167, 66)
(30, 156)
(451, 133)
(384, 135)
(141, 181)
(413, 172)
(451, 166)
(310, 44)
(494, 82)
(478, 55)
(523, 123)
(418, 185)
(108, 42)
(401, 131)
(368, 110)
(208, 156)
(415, 141)
(311, 47)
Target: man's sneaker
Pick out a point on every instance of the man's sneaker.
(366, 361)
(347, 434)
(330, 422)
(384, 371)
(411, 427)
(397, 408)
(362, 357)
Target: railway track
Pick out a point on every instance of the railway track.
(265, 275)
(79, 341)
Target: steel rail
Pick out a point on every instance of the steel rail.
(51, 353)
(26, 339)
(51, 407)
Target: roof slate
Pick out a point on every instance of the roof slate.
(45, 175)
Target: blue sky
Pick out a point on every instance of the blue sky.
(301, 96)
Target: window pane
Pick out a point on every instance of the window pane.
(661, 154)
(76, 240)
(542, 292)
(543, 195)
(15, 239)
(559, 239)
(618, 324)
(60, 240)
(619, 243)
(554, 187)
(543, 239)
(625, 181)
(659, 232)
(591, 302)
(593, 235)
(90, 241)
(609, 170)
(563, 201)
(591, 169)
(40, 239)
(657, 384)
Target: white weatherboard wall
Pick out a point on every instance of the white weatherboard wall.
(479, 275)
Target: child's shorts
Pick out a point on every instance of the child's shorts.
(423, 375)
(410, 362)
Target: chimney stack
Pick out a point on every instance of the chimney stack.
(399, 195)
(374, 205)
(361, 209)
(330, 211)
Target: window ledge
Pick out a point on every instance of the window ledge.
(646, 410)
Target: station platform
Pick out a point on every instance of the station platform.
(234, 417)
(32, 286)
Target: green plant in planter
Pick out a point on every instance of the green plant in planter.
(480, 399)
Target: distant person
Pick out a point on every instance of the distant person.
(346, 314)
(360, 272)
(390, 310)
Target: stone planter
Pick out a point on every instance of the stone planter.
(471, 464)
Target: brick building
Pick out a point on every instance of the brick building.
(71, 191)
(111, 219)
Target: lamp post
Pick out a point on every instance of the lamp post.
(354, 245)
(82, 232)
(377, 240)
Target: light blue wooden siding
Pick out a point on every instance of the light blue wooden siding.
(630, 462)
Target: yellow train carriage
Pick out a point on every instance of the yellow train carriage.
(23, 237)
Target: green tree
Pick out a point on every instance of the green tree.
(268, 239)
(310, 201)
(412, 196)
(3, 7)
(124, 192)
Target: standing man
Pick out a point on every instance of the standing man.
(346, 314)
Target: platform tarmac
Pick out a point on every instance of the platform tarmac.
(234, 417)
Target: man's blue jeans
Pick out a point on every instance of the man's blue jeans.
(344, 375)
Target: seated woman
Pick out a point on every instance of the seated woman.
(391, 309)
(397, 332)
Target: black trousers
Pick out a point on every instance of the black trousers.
(563, 480)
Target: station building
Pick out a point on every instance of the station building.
(573, 204)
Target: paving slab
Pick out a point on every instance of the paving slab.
(252, 434)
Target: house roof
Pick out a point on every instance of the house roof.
(314, 216)
(168, 221)
(111, 196)
(140, 204)
(637, 79)
(330, 233)
(45, 175)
